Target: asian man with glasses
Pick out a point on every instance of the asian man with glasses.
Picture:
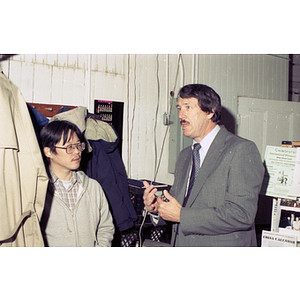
(76, 211)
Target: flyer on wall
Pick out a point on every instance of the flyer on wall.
(280, 164)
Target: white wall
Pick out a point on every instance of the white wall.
(143, 83)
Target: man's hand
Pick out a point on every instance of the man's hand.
(150, 200)
(169, 211)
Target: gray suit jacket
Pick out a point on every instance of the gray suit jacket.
(222, 205)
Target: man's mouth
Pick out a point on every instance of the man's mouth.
(184, 123)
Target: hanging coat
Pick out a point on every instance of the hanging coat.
(106, 166)
(23, 178)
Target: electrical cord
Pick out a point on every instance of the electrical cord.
(156, 113)
(145, 211)
(129, 139)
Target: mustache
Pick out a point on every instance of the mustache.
(184, 122)
(77, 157)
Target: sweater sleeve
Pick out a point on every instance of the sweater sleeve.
(106, 229)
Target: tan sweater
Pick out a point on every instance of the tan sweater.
(90, 225)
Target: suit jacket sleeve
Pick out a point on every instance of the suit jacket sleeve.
(227, 200)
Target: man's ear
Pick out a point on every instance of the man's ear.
(47, 152)
(210, 115)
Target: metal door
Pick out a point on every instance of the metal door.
(268, 122)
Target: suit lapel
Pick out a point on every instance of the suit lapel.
(210, 163)
(186, 166)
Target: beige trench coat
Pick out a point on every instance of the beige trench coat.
(23, 178)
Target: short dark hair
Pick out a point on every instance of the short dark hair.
(52, 133)
(208, 100)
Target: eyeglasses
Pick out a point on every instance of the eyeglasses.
(71, 148)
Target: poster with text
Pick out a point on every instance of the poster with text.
(280, 166)
(273, 239)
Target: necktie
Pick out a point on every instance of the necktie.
(195, 170)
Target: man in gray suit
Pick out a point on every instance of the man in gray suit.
(219, 209)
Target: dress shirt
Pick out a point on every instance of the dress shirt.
(205, 144)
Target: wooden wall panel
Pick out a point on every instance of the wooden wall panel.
(143, 82)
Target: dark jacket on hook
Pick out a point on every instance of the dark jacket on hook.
(105, 165)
